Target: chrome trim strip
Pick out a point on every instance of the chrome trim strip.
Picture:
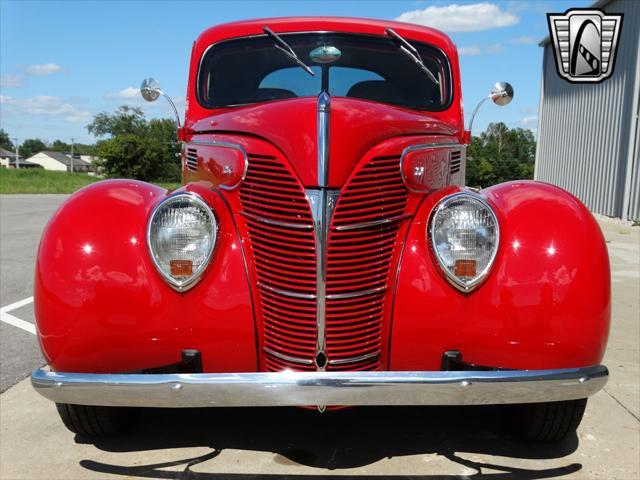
(324, 106)
(322, 202)
(234, 146)
(361, 293)
(317, 201)
(197, 275)
(424, 146)
(258, 218)
(287, 358)
(344, 361)
(373, 223)
(289, 388)
(287, 293)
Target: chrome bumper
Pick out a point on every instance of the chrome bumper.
(320, 388)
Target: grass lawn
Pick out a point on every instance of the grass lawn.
(38, 180)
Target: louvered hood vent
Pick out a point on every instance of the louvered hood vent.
(192, 159)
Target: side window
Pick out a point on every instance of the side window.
(294, 80)
(341, 79)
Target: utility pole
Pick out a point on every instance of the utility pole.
(72, 155)
(15, 144)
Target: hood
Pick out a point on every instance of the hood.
(355, 127)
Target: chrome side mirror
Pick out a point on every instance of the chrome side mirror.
(150, 91)
(501, 94)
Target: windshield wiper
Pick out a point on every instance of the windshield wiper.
(285, 48)
(411, 52)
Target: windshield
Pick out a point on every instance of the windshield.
(251, 70)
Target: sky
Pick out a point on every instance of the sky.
(63, 62)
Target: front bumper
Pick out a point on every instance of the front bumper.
(320, 388)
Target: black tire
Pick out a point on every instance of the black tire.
(92, 421)
(547, 422)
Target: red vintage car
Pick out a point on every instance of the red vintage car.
(323, 250)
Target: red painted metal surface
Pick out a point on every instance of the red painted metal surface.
(291, 126)
(545, 304)
(221, 165)
(102, 307)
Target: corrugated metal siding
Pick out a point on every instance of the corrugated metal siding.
(584, 130)
(634, 197)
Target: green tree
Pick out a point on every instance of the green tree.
(500, 154)
(5, 141)
(79, 148)
(31, 146)
(60, 146)
(136, 147)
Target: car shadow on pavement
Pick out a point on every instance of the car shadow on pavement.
(348, 438)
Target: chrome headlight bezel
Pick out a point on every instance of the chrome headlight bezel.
(196, 200)
(481, 276)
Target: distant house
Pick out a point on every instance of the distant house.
(8, 160)
(61, 162)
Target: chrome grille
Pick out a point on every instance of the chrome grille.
(282, 241)
(360, 252)
(363, 235)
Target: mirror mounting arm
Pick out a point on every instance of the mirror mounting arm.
(173, 106)
(475, 110)
(150, 91)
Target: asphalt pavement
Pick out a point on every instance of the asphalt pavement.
(22, 220)
(288, 443)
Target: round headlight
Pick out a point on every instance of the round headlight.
(464, 235)
(181, 235)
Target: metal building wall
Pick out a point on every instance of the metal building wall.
(634, 187)
(588, 133)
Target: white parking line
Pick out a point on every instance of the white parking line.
(6, 317)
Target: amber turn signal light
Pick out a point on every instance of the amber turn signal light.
(465, 268)
(181, 268)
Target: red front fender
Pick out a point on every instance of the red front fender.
(545, 304)
(101, 306)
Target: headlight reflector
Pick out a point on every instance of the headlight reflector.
(181, 235)
(464, 236)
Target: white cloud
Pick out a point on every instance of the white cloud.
(469, 51)
(44, 105)
(529, 121)
(129, 92)
(11, 81)
(475, 50)
(461, 18)
(495, 48)
(523, 40)
(43, 69)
